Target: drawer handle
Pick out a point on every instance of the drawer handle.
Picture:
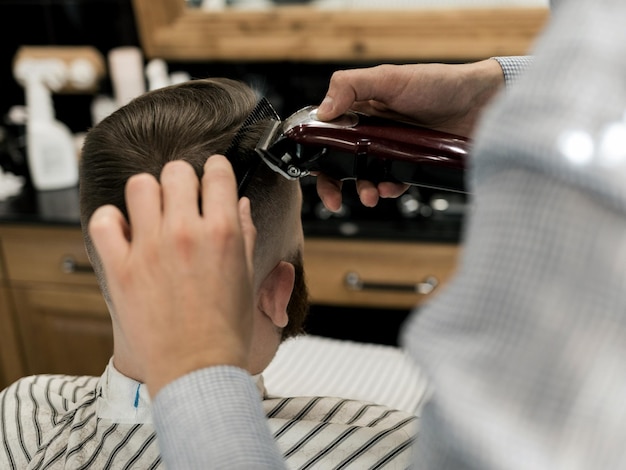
(70, 266)
(355, 282)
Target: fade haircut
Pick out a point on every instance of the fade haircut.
(189, 121)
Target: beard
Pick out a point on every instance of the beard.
(298, 306)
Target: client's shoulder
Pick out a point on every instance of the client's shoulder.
(49, 390)
(334, 432)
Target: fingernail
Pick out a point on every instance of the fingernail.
(326, 106)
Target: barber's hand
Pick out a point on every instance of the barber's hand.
(180, 275)
(446, 97)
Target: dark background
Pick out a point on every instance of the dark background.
(105, 24)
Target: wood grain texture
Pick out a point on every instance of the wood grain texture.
(300, 33)
(328, 261)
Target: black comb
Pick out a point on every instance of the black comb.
(245, 162)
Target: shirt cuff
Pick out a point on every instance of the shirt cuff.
(213, 418)
(513, 67)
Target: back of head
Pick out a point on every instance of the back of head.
(189, 121)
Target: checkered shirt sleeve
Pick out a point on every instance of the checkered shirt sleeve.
(513, 67)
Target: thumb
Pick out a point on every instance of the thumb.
(339, 97)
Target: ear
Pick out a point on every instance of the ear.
(275, 293)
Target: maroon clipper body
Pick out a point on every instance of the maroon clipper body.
(358, 146)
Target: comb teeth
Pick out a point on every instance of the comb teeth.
(245, 165)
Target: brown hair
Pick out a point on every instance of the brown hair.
(189, 121)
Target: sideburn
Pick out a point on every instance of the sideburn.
(298, 307)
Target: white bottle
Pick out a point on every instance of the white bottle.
(126, 70)
(157, 74)
(50, 148)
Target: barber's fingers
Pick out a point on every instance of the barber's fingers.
(219, 190)
(143, 202)
(342, 93)
(329, 191)
(110, 234)
(392, 190)
(368, 193)
(249, 231)
(347, 87)
(181, 192)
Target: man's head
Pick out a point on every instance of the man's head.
(192, 121)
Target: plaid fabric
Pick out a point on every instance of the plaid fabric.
(513, 67)
(524, 348)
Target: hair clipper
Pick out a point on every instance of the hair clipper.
(359, 146)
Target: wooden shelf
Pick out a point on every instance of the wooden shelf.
(170, 31)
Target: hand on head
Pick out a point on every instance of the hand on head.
(171, 273)
(445, 97)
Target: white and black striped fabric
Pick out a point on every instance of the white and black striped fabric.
(67, 422)
(336, 433)
(317, 365)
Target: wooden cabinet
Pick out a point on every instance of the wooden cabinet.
(11, 356)
(376, 273)
(54, 319)
(64, 329)
(52, 304)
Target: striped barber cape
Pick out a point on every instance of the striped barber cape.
(69, 422)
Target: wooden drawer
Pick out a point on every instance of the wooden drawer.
(54, 255)
(11, 357)
(64, 329)
(376, 274)
(2, 268)
(52, 304)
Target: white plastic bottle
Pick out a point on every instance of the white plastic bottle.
(126, 70)
(50, 147)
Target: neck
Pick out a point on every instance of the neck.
(123, 359)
